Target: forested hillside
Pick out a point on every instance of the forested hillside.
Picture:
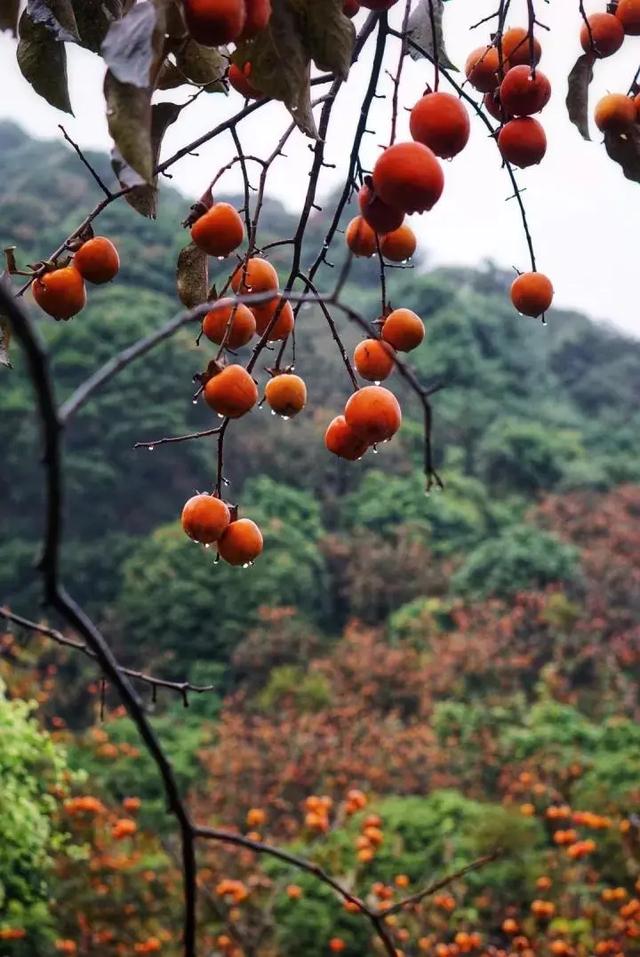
(483, 639)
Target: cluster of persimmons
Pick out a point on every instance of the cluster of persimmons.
(60, 290)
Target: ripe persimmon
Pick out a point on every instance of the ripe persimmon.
(258, 276)
(214, 22)
(628, 13)
(409, 177)
(516, 48)
(481, 68)
(264, 315)
(403, 329)
(218, 231)
(286, 394)
(441, 122)
(240, 80)
(231, 392)
(378, 5)
(399, 245)
(360, 237)
(522, 141)
(381, 217)
(615, 113)
(350, 8)
(341, 439)
(97, 260)
(374, 359)
(532, 293)
(604, 36)
(493, 105)
(241, 328)
(258, 14)
(241, 543)
(60, 292)
(373, 413)
(522, 93)
(205, 518)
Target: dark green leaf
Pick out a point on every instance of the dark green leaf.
(625, 150)
(132, 44)
(57, 16)
(329, 36)
(578, 93)
(202, 65)
(9, 15)
(94, 17)
(192, 276)
(129, 119)
(43, 62)
(425, 28)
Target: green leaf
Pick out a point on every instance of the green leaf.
(133, 43)
(425, 28)
(5, 338)
(57, 16)
(329, 36)
(192, 276)
(578, 93)
(624, 149)
(43, 62)
(9, 15)
(94, 17)
(205, 66)
(129, 120)
(144, 197)
(280, 64)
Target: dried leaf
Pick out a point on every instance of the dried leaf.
(192, 276)
(625, 150)
(94, 17)
(205, 66)
(427, 15)
(280, 64)
(5, 339)
(9, 15)
(43, 62)
(144, 197)
(578, 93)
(57, 16)
(133, 43)
(329, 36)
(129, 119)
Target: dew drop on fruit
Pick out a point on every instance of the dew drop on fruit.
(220, 415)
(272, 412)
(195, 401)
(151, 448)
(374, 449)
(377, 382)
(207, 546)
(216, 560)
(221, 258)
(285, 418)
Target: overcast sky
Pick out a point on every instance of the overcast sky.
(583, 213)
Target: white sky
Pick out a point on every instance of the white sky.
(582, 211)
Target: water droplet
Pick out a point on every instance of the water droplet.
(226, 482)
(220, 415)
(404, 262)
(216, 560)
(151, 448)
(195, 401)
(377, 382)
(247, 565)
(293, 368)
(544, 321)
(285, 418)
(272, 412)
(207, 546)
(427, 493)
(221, 258)
(374, 449)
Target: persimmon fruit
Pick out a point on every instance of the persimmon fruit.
(258, 14)
(241, 543)
(628, 13)
(399, 245)
(286, 394)
(494, 106)
(516, 48)
(441, 122)
(240, 80)
(60, 292)
(97, 260)
(381, 217)
(360, 237)
(341, 439)
(232, 316)
(409, 177)
(481, 68)
(218, 231)
(522, 93)
(532, 293)
(259, 276)
(615, 113)
(264, 315)
(522, 141)
(607, 35)
(214, 22)
(205, 518)
(373, 413)
(231, 392)
(350, 8)
(403, 329)
(378, 5)
(374, 359)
